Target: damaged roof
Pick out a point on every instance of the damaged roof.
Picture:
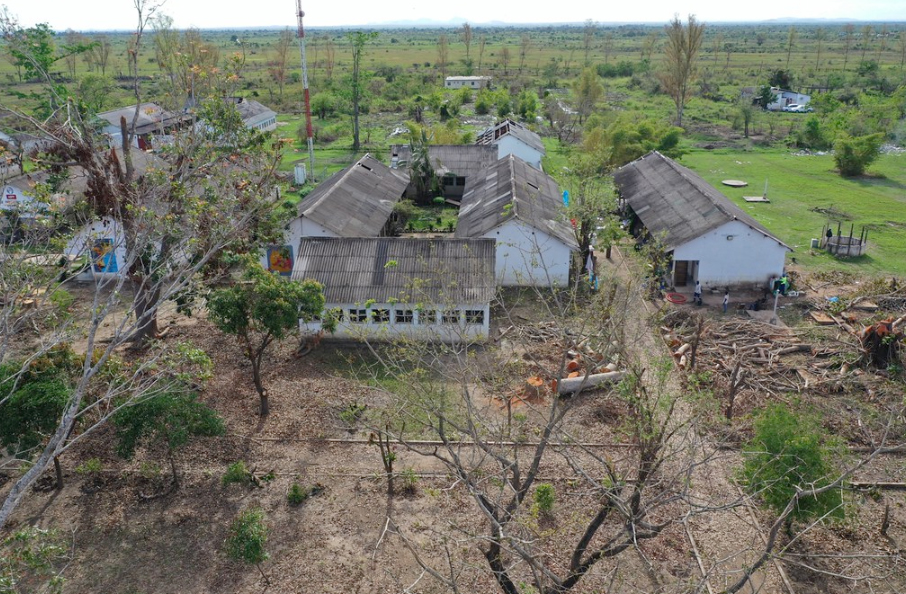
(151, 118)
(513, 189)
(463, 160)
(675, 203)
(357, 201)
(515, 129)
(408, 270)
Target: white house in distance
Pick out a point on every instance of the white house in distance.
(18, 195)
(785, 98)
(255, 115)
(386, 288)
(512, 138)
(711, 239)
(355, 202)
(521, 208)
(469, 82)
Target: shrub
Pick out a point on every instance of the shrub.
(297, 494)
(790, 452)
(91, 466)
(544, 498)
(853, 154)
(237, 472)
(410, 481)
(248, 537)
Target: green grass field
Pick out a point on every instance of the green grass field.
(803, 189)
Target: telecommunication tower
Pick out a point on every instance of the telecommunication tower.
(306, 98)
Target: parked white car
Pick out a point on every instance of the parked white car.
(796, 108)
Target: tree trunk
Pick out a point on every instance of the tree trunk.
(59, 472)
(259, 387)
(145, 312)
(503, 580)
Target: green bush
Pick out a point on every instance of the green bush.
(544, 498)
(237, 472)
(853, 154)
(248, 537)
(297, 494)
(790, 452)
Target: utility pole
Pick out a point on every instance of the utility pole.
(305, 95)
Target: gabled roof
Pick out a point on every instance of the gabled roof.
(466, 160)
(151, 118)
(251, 111)
(513, 189)
(357, 201)
(509, 127)
(675, 203)
(411, 270)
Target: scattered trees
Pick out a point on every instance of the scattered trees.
(680, 53)
(357, 40)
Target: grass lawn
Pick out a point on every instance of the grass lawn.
(804, 189)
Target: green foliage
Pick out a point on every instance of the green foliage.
(352, 413)
(90, 466)
(31, 560)
(297, 494)
(527, 105)
(854, 154)
(812, 135)
(33, 49)
(544, 496)
(171, 418)
(765, 96)
(791, 452)
(247, 539)
(237, 472)
(781, 78)
(410, 481)
(33, 396)
(484, 102)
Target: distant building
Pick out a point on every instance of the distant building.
(786, 98)
(711, 240)
(512, 138)
(521, 208)
(152, 122)
(385, 288)
(255, 115)
(468, 82)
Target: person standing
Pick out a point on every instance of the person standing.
(726, 300)
(697, 294)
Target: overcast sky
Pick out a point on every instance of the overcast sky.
(120, 14)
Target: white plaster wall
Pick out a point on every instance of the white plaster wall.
(510, 145)
(529, 257)
(83, 241)
(302, 227)
(749, 258)
(420, 329)
(14, 198)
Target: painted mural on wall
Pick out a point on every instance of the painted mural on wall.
(104, 256)
(280, 259)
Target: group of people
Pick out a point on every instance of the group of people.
(697, 296)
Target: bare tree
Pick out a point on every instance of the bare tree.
(649, 45)
(588, 37)
(278, 68)
(100, 54)
(525, 44)
(820, 38)
(866, 40)
(505, 59)
(608, 46)
(680, 54)
(466, 35)
(482, 41)
(72, 40)
(330, 51)
(443, 54)
(790, 42)
(848, 31)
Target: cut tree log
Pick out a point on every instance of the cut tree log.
(571, 385)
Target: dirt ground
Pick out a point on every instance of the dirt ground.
(335, 542)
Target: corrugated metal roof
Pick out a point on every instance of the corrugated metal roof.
(511, 188)
(463, 160)
(410, 270)
(516, 129)
(251, 111)
(151, 118)
(357, 201)
(675, 203)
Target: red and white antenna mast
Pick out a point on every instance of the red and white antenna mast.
(306, 97)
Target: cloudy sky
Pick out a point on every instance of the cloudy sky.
(120, 14)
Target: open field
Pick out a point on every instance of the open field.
(806, 193)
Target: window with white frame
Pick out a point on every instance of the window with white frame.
(451, 316)
(403, 316)
(427, 317)
(358, 316)
(380, 316)
(474, 316)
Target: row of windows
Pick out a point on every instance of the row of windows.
(407, 316)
